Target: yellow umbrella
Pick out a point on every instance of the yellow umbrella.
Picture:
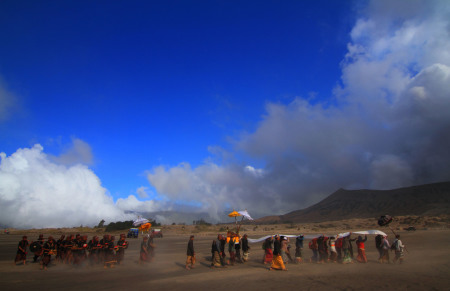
(234, 214)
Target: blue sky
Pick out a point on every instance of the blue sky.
(140, 91)
(157, 82)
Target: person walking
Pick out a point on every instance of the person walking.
(190, 261)
(398, 248)
(361, 249)
(277, 261)
(245, 248)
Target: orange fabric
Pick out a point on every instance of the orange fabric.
(277, 263)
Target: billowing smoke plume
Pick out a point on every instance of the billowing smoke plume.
(387, 124)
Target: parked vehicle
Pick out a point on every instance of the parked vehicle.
(157, 232)
(410, 228)
(133, 233)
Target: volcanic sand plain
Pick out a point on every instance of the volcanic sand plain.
(426, 265)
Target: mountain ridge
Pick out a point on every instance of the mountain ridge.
(426, 200)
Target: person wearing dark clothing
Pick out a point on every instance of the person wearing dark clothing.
(314, 248)
(110, 260)
(190, 261)
(217, 260)
(351, 240)
(22, 251)
(122, 244)
(322, 248)
(93, 249)
(298, 248)
(60, 249)
(48, 249)
(245, 248)
(379, 245)
(237, 247)
(232, 250)
(39, 253)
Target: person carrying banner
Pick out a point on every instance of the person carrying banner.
(268, 253)
(298, 248)
(361, 249)
(333, 253)
(385, 247)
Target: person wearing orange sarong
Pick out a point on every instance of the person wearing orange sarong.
(277, 261)
(268, 254)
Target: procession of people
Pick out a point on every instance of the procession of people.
(73, 250)
(78, 251)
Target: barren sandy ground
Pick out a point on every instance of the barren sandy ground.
(426, 267)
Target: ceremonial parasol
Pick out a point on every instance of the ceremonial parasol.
(242, 213)
(145, 226)
(140, 221)
(234, 214)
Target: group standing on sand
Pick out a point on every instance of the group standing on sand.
(74, 250)
(235, 245)
(340, 250)
(147, 250)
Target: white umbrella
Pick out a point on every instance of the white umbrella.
(140, 221)
(245, 214)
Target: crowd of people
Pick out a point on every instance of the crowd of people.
(235, 245)
(278, 253)
(74, 250)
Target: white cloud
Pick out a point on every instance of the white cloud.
(78, 152)
(216, 188)
(131, 203)
(253, 171)
(36, 192)
(142, 192)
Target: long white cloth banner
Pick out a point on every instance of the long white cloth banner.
(312, 236)
(373, 231)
